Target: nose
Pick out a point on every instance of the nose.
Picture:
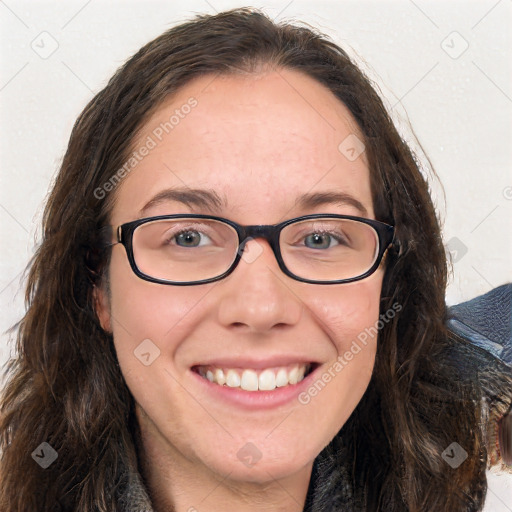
(257, 295)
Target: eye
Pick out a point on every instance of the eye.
(323, 240)
(189, 238)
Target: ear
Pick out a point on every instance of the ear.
(102, 307)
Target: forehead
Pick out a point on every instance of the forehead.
(257, 141)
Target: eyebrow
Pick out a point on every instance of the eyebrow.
(209, 199)
(314, 199)
(199, 197)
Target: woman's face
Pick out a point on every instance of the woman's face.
(259, 143)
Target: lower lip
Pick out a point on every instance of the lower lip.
(256, 399)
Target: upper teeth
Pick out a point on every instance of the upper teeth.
(249, 380)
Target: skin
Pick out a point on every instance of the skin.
(260, 141)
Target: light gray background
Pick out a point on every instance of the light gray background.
(443, 66)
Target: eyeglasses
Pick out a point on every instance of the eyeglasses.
(189, 249)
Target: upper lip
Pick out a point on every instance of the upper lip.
(254, 363)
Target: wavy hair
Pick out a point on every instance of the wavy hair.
(65, 386)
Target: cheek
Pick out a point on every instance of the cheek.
(348, 311)
(142, 311)
(349, 315)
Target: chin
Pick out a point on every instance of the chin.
(262, 471)
(259, 463)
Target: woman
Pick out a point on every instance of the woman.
(238, 303)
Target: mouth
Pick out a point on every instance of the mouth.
(249, 379)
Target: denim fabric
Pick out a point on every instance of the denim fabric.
(486, 321)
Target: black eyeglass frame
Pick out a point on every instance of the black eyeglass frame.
(271, 233)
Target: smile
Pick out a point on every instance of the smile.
(255, 380)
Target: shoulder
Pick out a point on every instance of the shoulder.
(486, 322)
(480, 352)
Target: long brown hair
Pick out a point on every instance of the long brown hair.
(65, 386)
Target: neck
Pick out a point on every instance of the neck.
(177, 483)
